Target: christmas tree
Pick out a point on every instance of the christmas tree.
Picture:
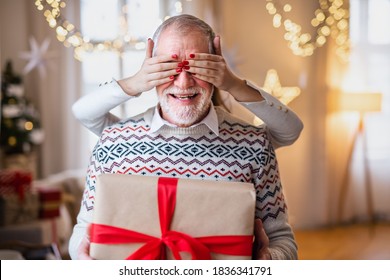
(20, 125)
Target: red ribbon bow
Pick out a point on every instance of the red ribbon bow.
(15, 181)
(154, 247)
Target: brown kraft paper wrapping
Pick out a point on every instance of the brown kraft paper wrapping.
(203, 208)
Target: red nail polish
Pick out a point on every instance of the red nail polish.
(186, 67)
(192, 55)
(179, 70)
(180, 64)
(171, 77)
(185, 62)
(174, 56)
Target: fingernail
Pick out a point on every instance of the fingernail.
(179, 70)
(180, 64)
(174, 56)
(186, 67)
(185, 62)
(171, 77)
(192, 55)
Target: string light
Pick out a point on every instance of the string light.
(70, 36)
(331, 19)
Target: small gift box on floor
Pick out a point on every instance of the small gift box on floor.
(15, 181)
(18, 202)
(146, 217)
(50, 202)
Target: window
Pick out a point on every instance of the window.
(370, 65)
(370, 72)
(122, 20)
(378, 19)
(370, 55)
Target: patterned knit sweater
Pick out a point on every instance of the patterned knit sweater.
(241, 152)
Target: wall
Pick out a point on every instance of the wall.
(13, 18)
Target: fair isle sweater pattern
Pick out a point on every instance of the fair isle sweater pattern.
(241, 152)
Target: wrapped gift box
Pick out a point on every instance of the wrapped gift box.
(18, 202)
(50, 202)
(140, 217)
(15, 181)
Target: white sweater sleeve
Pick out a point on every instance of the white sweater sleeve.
(283, 125)
(92, 110)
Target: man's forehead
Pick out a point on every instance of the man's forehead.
(171, 39)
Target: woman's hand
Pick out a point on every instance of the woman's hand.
(213, 68)
(154, 71)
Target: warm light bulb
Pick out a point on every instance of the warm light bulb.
(28, 125)
(12, 141)
(287, 8)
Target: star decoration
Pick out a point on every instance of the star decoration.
(37, 57)
(272, 85)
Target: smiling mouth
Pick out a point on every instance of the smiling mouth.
(184, 96)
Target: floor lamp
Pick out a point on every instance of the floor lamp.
(362, 103)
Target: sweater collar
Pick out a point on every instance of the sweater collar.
(211, 121)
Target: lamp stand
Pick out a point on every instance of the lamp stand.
(367, 175)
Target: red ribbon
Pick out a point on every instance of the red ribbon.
(154, 247)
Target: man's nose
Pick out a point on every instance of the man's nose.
(184, 80)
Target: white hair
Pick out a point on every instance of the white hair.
(183, 25)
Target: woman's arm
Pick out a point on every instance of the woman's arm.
(93, 110)
(283, 125)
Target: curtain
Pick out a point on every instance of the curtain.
(62, 148)
(340, 131)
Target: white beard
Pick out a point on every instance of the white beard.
(185, 115)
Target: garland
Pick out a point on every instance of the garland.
(330, 20)
(70, 36)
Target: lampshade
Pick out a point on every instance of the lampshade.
(360, 102)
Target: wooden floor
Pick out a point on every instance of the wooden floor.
(347, 242)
